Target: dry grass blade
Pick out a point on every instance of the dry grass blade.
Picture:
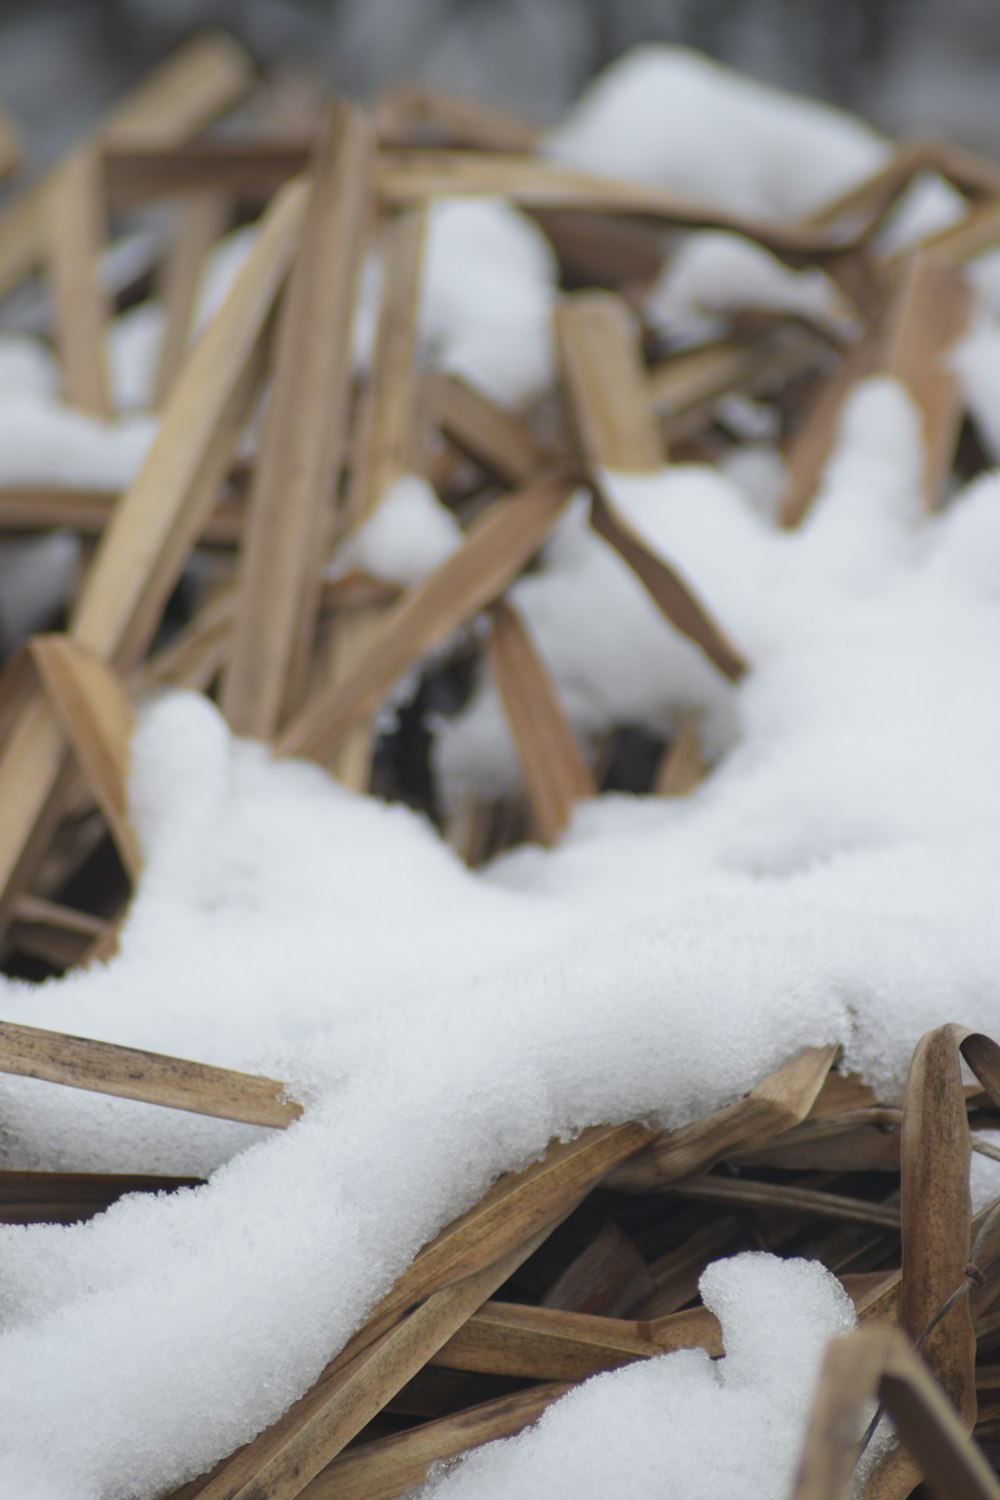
(983, 1056)
(495, 549)
(609, 1276)
(532, 182)
(95, 714)
(146, 545)
(59, 935)
(194, 656)
(11, 145)
(165, 508)
(777, 1102)
(861, 1145)
(696, 378)
(389, 434)
(673, 596)
(909, 338)
(606, 383)
(444, 1286)
(601, 365)
(870, 199)
(601, 250)
(199, 82)
(385, 1468)
(127, 1073)
(812, 444)
(488, 433)
(554, 769)
(69, 1197)
(522, 1202)
(303, 439)
(937, 1215)
(879, 1362)
(74, 239)
(968, 237)
(681, 768)
(547, 1343)
(413, 111)
(782, 1195)
(202, 222)
(930, 313)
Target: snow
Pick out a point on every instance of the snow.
(654, 1429)
(828, 883)
(134, 339)
(716, 273)
(977, 362)
(407, 536)
(45, 442)
(834, 879)
(674, 118)
(489, 284)
(928, 205)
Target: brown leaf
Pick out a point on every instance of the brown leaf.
(95, 713)
(553, 766)
(304, 432)
(778, 1101)
(106, 1068)
(495, 549)
(879, 1362)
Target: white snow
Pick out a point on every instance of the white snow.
(44, 442)
(835, 879)
(977, 361)
(134, 339)
(407, 536)
(488, 287)
(715, 274)
(927, 205)
(672, 117)
(681, 1424)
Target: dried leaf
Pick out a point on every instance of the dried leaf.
(668, 590)
(606, 383)
(303, 440)
(553, 766)
(385, 1468)
(496, 547)
(94, 711)
(773, 1105)
(74, 230)
(105, 1068)
(879, 1361)
(937, 1215)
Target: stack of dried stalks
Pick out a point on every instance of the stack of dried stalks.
(596, 1250)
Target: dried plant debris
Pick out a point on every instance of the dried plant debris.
(600, 1024)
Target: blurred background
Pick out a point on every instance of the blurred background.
(909, 65)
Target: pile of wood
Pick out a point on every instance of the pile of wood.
(590, 1258)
